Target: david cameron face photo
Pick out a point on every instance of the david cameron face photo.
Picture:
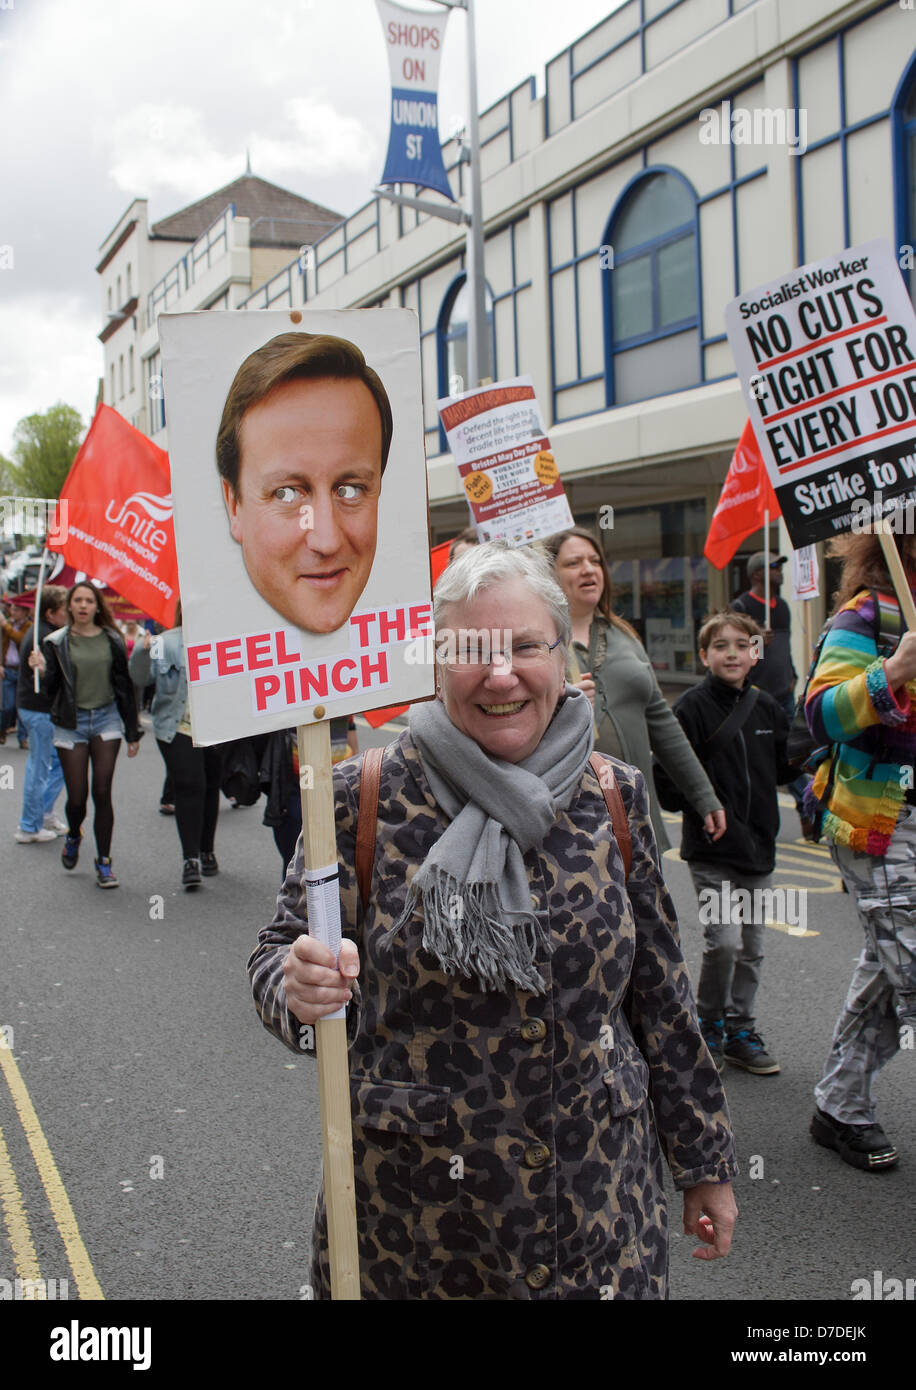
(301, 462)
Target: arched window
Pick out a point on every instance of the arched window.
(903, 112)
(453, 338)
(652, 291)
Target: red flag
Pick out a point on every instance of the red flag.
(375, 718)
(119, 524)
(747, 493)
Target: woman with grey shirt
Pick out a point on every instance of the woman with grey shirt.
(607, 659)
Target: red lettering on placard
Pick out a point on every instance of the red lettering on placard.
(311, 681)
(388, 625)
(198, 656)
(226, 652)
(289, 680)
(265, 687)
(257, 649)
(337, 679)
(380, 668)
(284, 656)
(420, 614)
(361, 622)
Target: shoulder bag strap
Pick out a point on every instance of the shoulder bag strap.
(367, 820)
(614, 802)
(732, 724)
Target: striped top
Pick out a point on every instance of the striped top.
(851, 706)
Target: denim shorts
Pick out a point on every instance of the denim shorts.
(104, 722)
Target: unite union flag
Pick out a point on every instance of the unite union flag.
(746, 494)
(120, 526)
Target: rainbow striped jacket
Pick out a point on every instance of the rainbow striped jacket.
(862, 783)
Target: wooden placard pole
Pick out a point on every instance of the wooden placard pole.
(319, 847)
(898, 575)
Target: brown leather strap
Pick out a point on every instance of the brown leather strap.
(614, 801)
(367, 822)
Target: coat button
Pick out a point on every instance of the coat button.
(536, 1155)
(537, 1276)
(534, 1030)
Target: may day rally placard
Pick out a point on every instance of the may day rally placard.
(827, 359)
(497, 438)
(299, 483)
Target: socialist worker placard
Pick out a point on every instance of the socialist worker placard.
(827, 359)
(299, 485)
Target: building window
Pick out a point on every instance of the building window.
(660, 580)
(120, 300)
(154, 393)
(904, 142)
(651, 297)
(109, 299)
(128, 280)
(453, 339)
(121, 375)
(112, 395)
(130, 369)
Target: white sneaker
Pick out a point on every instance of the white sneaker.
(52, 822)
(34, 837)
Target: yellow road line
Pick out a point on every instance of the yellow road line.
(791, 930)
(77, 1254)
(16, 1221)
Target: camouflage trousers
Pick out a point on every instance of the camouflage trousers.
(882, 993)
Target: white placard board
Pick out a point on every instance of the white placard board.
(305, 578)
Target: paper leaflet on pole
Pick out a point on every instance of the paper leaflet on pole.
(827, 359)
(805, 573)
(322, 896)
(119, 515)
(414, 40)
(299, 480)
(510, 477)
(746, 495)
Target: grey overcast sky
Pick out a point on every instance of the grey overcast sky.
(102, 101)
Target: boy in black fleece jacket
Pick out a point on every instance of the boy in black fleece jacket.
(739, 735)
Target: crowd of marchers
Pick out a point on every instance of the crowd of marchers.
(511, 966)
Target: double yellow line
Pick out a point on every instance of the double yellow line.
(15, 1216)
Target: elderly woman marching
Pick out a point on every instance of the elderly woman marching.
(523, 1033)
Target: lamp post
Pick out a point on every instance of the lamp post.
(479, 361)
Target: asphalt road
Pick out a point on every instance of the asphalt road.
(182, 1142)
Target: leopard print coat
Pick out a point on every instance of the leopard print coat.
(506, 1146)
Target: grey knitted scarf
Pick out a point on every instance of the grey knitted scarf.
(472, 888)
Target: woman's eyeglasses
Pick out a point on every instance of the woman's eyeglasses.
(473, 653)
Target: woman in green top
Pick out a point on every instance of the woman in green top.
(606, 658)
(92, 707)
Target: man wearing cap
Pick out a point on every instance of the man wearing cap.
(774, 671)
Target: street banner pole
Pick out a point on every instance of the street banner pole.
(41, 580)
(322, 887)
(766, 568)
(478, 337)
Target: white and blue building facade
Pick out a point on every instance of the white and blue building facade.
(620, 218)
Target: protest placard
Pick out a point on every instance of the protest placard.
(299, 486)
(827, 359)
(299, 482)
(497, 438)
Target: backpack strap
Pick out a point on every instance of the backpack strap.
(367, 820)
(614, 802)
(366, 830)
